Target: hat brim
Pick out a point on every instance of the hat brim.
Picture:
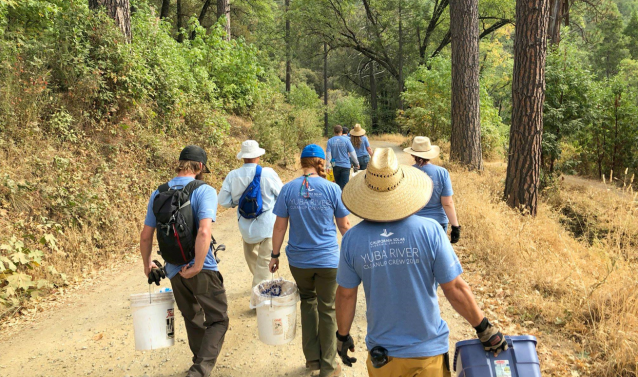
(206, 169)
(258, 153)
(353, 133)
(408, 198)
(429, 155)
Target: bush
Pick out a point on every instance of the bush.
(348, 110)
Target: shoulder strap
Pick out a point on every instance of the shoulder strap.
(192, 186)
(163, 188)
(257, 173)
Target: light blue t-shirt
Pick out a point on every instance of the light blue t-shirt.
(401, 264)
(204, 204)
(312, 239)
(339, 147)
(442, 186)
(363, 147)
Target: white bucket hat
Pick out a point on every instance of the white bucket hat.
(422, 147)
(250, 149)
(387, 191)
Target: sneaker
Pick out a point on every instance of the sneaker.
(313, 365)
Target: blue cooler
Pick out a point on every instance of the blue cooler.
(520, 359)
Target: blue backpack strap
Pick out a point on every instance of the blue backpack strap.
(257, 177)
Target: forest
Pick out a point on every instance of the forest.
(96, 95)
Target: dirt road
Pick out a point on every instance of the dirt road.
(90, 331)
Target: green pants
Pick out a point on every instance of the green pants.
(317, 288)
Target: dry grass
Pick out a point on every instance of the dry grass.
(400, 139)
(539, 276)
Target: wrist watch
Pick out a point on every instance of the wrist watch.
(272, 254)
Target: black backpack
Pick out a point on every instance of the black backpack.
(176, 230)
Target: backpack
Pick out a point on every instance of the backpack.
(250, 203)
(176, 230)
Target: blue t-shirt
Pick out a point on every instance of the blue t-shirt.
(363, 147)
(400, 264)
(312, 242)
(339, 147)
(204, 204)
(442, 186)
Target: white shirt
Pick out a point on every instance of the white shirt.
(252, 230)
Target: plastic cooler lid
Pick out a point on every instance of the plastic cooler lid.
(516, 338)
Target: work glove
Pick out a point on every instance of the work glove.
(456, 234)
(491, 337)
(157, 274)
(345, 343)
(356, 168)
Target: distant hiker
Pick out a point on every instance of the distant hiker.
(183, 210)
(310, 205)
(255, 229)
(401, 258)
(340, 150)
(441, 205)
(361, 145)
(346, 132)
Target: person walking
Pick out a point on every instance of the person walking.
(441, 206)
(340, 150)
(197, 284)
(402, 261)
(346, 132)
(310, 204)
(256, 232)
(361, 145)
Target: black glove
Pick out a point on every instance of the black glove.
(345, 343)
(456, 234)
(491, 337)
(157, 274)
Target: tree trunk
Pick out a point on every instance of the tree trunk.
(180, 35)
(165, 6)
(288, 48)
(373, 96)
(223, 9)
(466, 124)
(400, 57)
(528, 96)
(202, 15)
(119, 10)
(555, 19)
(325, 87)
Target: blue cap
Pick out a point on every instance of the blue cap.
(313, 150)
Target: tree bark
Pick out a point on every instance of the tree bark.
(165, 6)
(555, 19)
(401, 81)
(373, 96)
(119, 10)
(223, 9)
(180, 16)
(202, 15)
(288, 48)
(528, 96)
(325, 87)
(466, 124)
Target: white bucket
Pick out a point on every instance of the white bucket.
(153, 320)
(277, 316)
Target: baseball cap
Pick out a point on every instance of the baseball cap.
(313, 150)
(194, 153)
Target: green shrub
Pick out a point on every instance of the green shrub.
(348, 110)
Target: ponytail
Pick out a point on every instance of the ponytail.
(316, 163)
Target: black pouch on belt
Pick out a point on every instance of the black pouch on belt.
(379, 356)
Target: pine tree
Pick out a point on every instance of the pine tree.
(631, 31)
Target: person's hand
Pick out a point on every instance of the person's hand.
(345, 343)
(356, 168)
(491, 337)
(149, 267)
(156, 273)
(456, 234)
(189, 271)
(274, 265)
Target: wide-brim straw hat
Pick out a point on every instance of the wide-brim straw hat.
(422, 147)
(387, 191)
(357, 130)
(250, 149)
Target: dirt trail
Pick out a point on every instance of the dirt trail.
(90, 332)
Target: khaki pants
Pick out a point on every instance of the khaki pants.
(202, 301)
(318, 288)
(258, 258)
(416, 367)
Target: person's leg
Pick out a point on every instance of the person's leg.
(415, 367)
(191, 311)
(435, 367)
(211, 295)
(342, 176)
(444, 226)
(305, 280)
(250, 253)
(363, 162)
(262, 263)
(326, 283)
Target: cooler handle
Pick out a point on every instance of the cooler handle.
(510, 345)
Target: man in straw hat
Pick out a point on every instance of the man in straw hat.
(256, 232)
(401, 258)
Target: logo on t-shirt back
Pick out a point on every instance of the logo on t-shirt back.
(386, 234)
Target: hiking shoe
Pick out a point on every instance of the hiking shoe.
(313, 365)
(336, 372)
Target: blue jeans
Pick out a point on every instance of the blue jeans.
(444, 226)
(342, 176)
(363, 162)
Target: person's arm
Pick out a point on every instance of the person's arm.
(146, 248)
(278, 234)
(343, 224)
(448, 206)
(225, 195)
(369, 151)
(345, 305)
(354, 159)
(202, 245)
(328, 157)
(460, 296)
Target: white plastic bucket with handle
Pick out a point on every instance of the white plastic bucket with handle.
(153, 320)
(276, 315)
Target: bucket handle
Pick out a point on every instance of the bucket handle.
(510, 345)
